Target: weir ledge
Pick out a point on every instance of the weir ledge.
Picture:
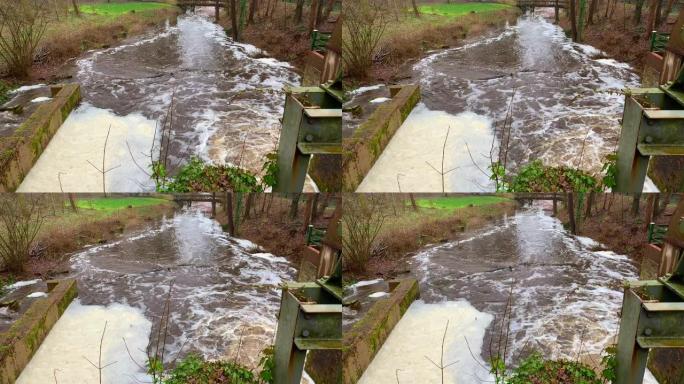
(20, 151)
(362, 150)
(22, 340)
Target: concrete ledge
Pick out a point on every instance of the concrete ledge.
(367, 336)
(20, 151)
(23, 339)
(362, 150)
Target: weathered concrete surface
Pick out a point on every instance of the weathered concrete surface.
(362, 150)
(21, 150)
(23, 339)
(366, 337)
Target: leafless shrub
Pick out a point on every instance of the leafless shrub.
(21, 218)
(364, 216)
(364, 24)
(22, 26)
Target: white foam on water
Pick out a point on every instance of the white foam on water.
(26, 88)
(24, 283)
(361, 90)
(76, 336)
(41, 99)
(419, 334)
(380, 100)
(407, 162)
(379, 295)
(37, 294)
(81, 140)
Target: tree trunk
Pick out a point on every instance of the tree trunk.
(415, 8)
(590, 203)
(229, 213)
(299, 11)
(635, 204)
(413, 202)
(571, 213)
(308, 212)
(580, 20)
(668, 9)
(72, 202)
(252, 10)
(234, 19)
(650, 23)
(294, 205)
(592, 10)
(637, 12)
(328, 9)
(573, 19)
(313, 15)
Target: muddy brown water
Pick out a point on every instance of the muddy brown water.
(223, 289)
(565, 291)
(222, 101)
(566, 106)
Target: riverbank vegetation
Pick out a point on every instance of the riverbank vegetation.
(380, 231)
(282, 28)
(621, 29)
(279, 223)
(380, 37)
(37, 231)
(36, 38)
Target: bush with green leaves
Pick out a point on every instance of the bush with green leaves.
(198, 176)
(193, 369)
(538, 178)
(536, 370)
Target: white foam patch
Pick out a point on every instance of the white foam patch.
(81, 140)
(649, 378)
(24, 283)
(361, 90)
(407, 162)
(76, 336)
(378, 295)
(27, 88)
(380, 100)
(41, 99)
(419, 334)
(37, 294)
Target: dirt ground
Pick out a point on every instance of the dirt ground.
(64, 231)
(613, 223)
(407, 231)
(271, 226)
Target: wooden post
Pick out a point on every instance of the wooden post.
(555, 204)
(229, 213)
(213, 205)
(556, 12)
(650, 209)
(308, 211)
(571, 213)
(217, 9)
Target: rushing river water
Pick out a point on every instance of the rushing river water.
(225, 297)
(226, 100)
(565, 297)
(565, 109)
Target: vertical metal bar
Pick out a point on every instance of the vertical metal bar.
(631, 359)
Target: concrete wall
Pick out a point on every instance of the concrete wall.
(20, 151)
(23, 339)
(362, 150)
(364, 340)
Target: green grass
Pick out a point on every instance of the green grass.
(118, 9)
(117, 203)
(454, 203)
(459, 9)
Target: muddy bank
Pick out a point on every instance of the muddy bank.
(407, 232)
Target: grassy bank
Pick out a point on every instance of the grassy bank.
(99, 25)
(439, 26)
(97, 220)
(406, 230)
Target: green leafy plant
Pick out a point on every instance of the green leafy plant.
(498, 176)
(535, 369)
(198, 176)
(536, 177)
(609, 363)
(4, 282)
(610, 171)
(270, 169)
(4, 92)
(194, 369)
(267, 365)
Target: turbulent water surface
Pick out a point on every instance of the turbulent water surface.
(565, 295)
(224, 298)
(565, 107)
(221, 101)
